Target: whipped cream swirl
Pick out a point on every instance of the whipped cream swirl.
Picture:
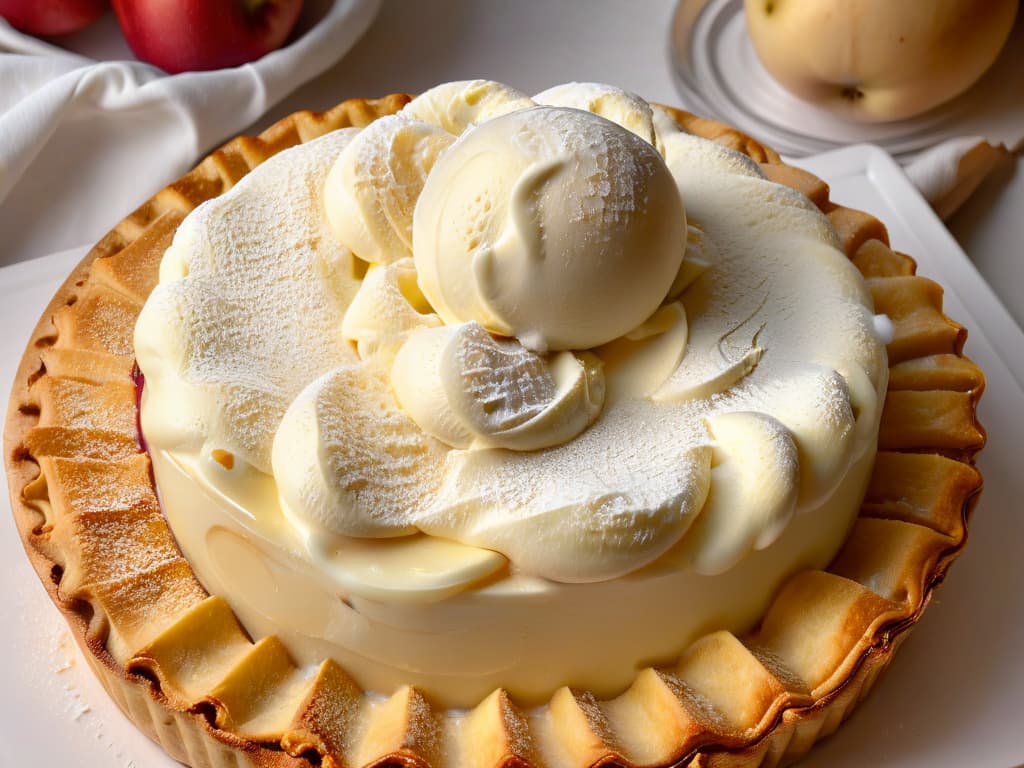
(664, 409)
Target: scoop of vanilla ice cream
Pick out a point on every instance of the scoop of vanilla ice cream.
(550, 224)
(619, 106)
(370, 191)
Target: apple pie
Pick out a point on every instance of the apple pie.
(479, 429)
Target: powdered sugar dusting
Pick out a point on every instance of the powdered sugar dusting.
(261, 307)
(59, 698)
(610, 172)
(385, 477)
(254, 351)
(510, 384)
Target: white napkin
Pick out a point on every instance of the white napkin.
(84, 142)
(948, 173)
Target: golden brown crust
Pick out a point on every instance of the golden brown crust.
(81, 489)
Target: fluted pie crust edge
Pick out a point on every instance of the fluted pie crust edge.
(179, 664)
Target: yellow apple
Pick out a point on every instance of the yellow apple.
(878, 60)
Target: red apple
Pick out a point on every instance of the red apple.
(182, 35)
(52, 17)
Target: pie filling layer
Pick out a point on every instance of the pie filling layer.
(507, 392)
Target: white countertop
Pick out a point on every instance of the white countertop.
(932, 694)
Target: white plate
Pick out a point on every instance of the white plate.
(953, 694)
(718, 71)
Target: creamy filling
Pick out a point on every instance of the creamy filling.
(428, 500)
(453, 619)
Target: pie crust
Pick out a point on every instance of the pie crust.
(179, 664)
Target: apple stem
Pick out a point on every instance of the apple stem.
(852, 93)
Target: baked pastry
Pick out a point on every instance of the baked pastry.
(183, 667)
